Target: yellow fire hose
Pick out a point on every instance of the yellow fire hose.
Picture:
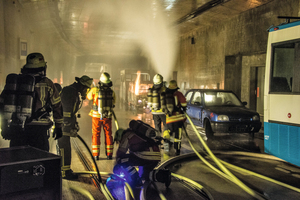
(162, 197)
(242, 170)
(82, 191)
(228, 174)
(116, 121)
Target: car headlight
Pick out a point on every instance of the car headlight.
(224, 118)
(255, 118)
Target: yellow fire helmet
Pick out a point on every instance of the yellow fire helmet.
(105, 78)
(173, 85)
(35, 60)
(157, 79)
(85, 80)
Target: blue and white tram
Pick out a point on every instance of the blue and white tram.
(282, 93)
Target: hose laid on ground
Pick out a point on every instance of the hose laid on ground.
(230, 176)
(239, 169)
(236, 168)
(194, 183)
(162, 197)
(106, 194)
(116, 121)
(82, 191)
(129, 189)
(92, 172)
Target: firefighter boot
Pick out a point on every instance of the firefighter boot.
(96, 157)
(109, 157)
(177, 152)
(69, 175)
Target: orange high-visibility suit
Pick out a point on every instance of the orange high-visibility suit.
(98, 122)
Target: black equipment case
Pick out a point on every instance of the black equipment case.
(29, 173)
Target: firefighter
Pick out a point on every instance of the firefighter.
(154, 103)
(138, 147)
(103, 103)
(175, 117)
(31, 97)
(72, 97)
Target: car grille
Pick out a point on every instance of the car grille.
(239, 119)
(240, 128)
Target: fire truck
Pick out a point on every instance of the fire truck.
(133, 89)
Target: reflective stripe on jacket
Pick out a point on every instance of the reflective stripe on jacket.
(71, 102)
(47, 93)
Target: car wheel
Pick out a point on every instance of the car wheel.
(208, 131)
(251, 134)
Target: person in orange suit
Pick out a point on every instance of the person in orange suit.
(103, 102)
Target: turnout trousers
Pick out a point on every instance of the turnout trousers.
(97, 124)
(64, 146)
(159, 119)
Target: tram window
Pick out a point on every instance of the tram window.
(282, 68)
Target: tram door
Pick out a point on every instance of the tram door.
(257, 79)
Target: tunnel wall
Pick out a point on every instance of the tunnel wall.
(238, 43)
(18, 25)
(242, 38)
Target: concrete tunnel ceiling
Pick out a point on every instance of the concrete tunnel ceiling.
(134, 28)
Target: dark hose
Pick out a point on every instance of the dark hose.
(98, 173)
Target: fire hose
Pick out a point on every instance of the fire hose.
(226, 173)
(103, 187)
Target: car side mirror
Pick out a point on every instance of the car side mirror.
(244, 103)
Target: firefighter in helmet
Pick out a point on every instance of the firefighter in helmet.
(154, 102)
(31, 97)
(72, 97)
(103, 103)
(138, 147)
(175, 107)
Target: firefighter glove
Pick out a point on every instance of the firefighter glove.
(7, 135)
(57, 133)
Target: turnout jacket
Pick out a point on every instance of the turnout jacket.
(141, 147)
(71, 101)
(47, 93)
(93, 95)
(46, 97)
(159, 91)
(177, 115)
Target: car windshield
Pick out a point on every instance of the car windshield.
(221, 99)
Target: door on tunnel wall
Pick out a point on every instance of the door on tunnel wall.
(257, 79)
(233, 74)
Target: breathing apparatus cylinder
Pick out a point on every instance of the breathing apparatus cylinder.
(142, 128)
(155, 100)
(105, 104)
(149, 98)
(163, 102)
(100, 102)
(10, 98)
(170, 103)
(25, 90)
